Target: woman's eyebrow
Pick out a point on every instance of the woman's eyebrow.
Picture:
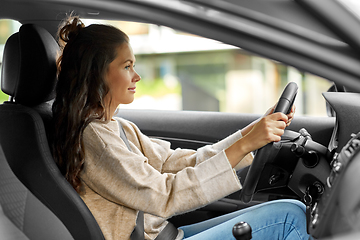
(129, 60)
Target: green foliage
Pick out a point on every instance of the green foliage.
(156, 88)
(3, 97)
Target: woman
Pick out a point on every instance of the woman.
(96, 74)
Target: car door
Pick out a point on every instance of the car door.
(194, 129)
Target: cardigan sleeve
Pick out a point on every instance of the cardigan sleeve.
(148, 178)
(172, 161)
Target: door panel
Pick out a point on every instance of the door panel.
(193, 129)
(188, 129)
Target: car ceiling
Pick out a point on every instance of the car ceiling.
(300, 33)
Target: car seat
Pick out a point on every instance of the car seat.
(29, 77)
(22, 215)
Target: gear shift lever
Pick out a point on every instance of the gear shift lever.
(242, 231)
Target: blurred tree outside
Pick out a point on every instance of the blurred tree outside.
(156, 88)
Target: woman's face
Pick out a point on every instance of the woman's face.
(121, 77)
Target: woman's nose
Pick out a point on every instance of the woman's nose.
(137, 77)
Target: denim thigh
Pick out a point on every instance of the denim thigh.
(280, 219)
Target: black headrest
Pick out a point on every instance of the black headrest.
(29, 65)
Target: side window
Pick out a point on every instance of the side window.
(7, 28)
(182, 71)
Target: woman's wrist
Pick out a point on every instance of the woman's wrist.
(248, 128)
(236, 152)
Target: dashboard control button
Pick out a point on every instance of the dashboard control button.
(337, 167)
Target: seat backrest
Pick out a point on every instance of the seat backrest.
(29, 77)
(22, 215)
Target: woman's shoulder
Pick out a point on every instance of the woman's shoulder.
(109, 132)
(129, 127)
(133, 132)
(101, 132)
(125, 122)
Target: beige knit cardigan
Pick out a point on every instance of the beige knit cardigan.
(152, 178)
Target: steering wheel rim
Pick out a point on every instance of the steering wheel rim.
(269, 151)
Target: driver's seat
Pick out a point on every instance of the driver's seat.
(29, 77)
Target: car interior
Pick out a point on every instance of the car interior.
(27, 150)
(316, 161)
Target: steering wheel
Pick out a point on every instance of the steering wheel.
(269, 151)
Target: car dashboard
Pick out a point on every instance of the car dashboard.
(337, 210)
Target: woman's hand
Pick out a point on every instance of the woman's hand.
(257, 134)
(290, 115)
(268, 129)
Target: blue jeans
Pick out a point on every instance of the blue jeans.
(280, 219)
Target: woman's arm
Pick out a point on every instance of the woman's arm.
(267, 129)
(127, 178)
(257, 134)
(290, 116)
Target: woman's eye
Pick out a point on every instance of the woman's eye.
(127, 67)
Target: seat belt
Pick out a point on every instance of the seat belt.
(138, 232)
(170, 232)
(123, 136)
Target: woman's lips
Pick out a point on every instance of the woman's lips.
(132, 89)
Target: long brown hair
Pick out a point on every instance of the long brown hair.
(81, 89)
